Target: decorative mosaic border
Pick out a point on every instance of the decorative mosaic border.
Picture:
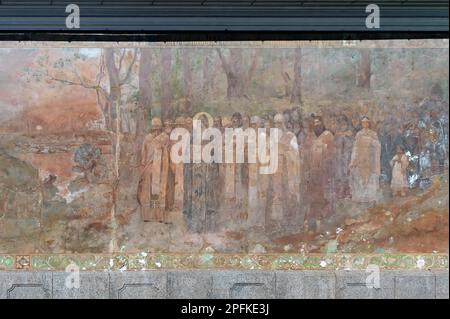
(159, 261)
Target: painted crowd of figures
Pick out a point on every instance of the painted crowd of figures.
(317, 167)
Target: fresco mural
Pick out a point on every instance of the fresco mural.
(87, 162)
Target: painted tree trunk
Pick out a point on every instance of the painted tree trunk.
(187, 78)
(238, 79)
(296, 94)
(145, 91)
(285, 76)
(114, 87)
(207, 84)
(364, 69)
(234, 74)
(166, 91)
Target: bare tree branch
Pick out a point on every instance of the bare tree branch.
(225, 64)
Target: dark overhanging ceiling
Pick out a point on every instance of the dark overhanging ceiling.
(239, 17)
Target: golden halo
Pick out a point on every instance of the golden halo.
(208, 116)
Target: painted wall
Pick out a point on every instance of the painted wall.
(79, 129)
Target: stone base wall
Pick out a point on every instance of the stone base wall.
(193, 284)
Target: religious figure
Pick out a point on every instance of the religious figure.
(399, 164)
(202, 211)
(177, 173)
(321, 183)
(187, 175)
(285, 181)
(265, 180)
(344, 144)
(170, 189)
(256, 183)
(154, 173)
(390, 136)
(235, 181)
(305, 143)
(365, 165)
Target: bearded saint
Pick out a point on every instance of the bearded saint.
(320, 189)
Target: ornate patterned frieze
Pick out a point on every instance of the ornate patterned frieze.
(149, 261)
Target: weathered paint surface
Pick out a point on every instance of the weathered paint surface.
(76, 125)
